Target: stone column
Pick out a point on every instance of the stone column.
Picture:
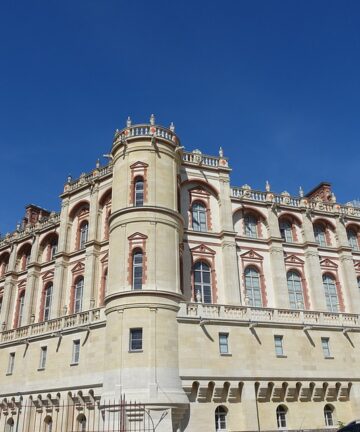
(231, 283)
(278, 270)
(91, 294)
(58, 300)
(312, 265)
(32, 282)
(248, 406)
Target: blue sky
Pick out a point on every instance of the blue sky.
(275, 83)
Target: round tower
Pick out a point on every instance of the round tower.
(143, 292)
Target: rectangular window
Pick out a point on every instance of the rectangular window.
(325, 346)
(279, 350)
(11, 362)
(43, 353)
(75, 352)
(135, 339)
(224, 343)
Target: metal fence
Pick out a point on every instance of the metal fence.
(61, 416)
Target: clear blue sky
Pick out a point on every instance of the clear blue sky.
(276, 83)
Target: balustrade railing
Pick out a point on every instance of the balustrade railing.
(54, 325)
(267, 315)
(201, 159)
(145, 130)
(86, 179)
(288, 200)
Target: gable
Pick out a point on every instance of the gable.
(294, 260)
(202, 249)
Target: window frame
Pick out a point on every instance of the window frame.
(329, 420)
(78, 299)
(202, 270)
(136, 331)
(295, 291)
(199, 216)
(281, 421)
(252, 289)
(48, 301)
(83, 234)
(139, 191)
(43, 357)
(220, 418)
(278, 345)
(330, 291)
(320, 234)
(286, 232)
(75, 355)
(11, 363)
(137, 275)
(325, 345)
(251, 226)
(224, 343)
(352, 237)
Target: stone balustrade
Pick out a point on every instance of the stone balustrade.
(288, 200)
(145, 130)
(250, 314)
(87, 179)
(45, 222)
(60, 324)
(197, 158)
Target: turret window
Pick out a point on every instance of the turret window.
(202, 282)
(137, 269)
(328, 415)
(220, 419)
(281, 417)
(295, 290)
(139, 192)
(331, 296)
(252, 287)
(198, 211)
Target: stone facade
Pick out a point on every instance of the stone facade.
(218, 307)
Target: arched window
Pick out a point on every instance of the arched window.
(252, 287)
(319, 233)
(331, 297)
(328, 415)
(137, 269)
(20, 311)
(286, 230)
(9, 427)
(202, 282)
(48, 424)
(84, 228)
(4, 261)
(139, 192)
(78, 295)
(220, 418)
(47, 301)
(353, 240)
(281, 416)
(81, 421)
(295, 290)
(250, 225)
(198, 213)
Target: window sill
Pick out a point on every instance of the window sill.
(281, 356)
(329, 357)
(8, 373)
(135, 351)
(226, 354)
(41, 369)
(74, 364)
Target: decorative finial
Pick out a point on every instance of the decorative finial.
(152, 119)
(18, 226)
(69, 178)
(267, 186)
(172, 127)
(301, 192)
(98, 163)
(221, 152)
(128, 122)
